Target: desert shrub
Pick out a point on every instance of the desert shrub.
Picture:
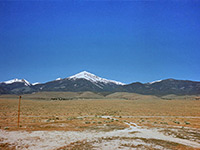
(187, 122)
(48, 120)
(6, 128)
(107, 121)
(177, 122)
(163, 123)
(71, 118)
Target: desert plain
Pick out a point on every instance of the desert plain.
(86, 120)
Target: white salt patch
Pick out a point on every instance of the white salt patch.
(48, 140)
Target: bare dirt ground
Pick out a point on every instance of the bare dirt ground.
(100, 124)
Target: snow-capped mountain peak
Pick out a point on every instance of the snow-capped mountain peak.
(17, 80)
(93, 78)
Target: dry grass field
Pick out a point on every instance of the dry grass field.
(179, 118)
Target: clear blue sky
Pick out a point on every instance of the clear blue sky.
(127, 41)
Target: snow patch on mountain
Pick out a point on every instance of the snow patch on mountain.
(58, 79)
(155, 81)
(35, 83)
(93, 78)
(18, 80)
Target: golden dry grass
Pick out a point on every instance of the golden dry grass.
(62, 115)
(76, 115)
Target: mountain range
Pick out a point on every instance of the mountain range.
(85, 81)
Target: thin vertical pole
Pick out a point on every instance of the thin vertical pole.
(19, 111)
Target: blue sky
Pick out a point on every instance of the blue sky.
(127, 41)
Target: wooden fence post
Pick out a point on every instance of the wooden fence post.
(19, 111)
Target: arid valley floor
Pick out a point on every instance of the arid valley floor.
(67, 120)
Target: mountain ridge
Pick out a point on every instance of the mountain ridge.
(85, 81)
